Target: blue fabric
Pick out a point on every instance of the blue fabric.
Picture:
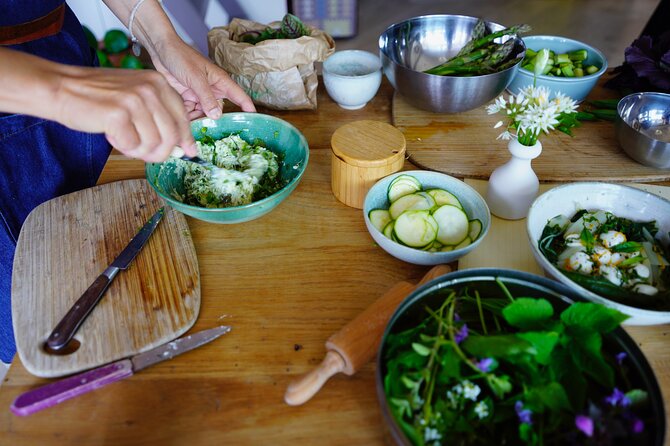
(40, 160)
(13, 12)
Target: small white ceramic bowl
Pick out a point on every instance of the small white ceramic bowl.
(473, 205)
(623, 201)
(352, 77)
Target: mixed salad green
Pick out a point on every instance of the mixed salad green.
(244, 172)
(475, 368)
(614, 257)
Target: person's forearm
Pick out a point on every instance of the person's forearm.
(151, 26)
(29, 84)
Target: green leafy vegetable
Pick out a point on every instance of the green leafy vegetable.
(525, 382)
(291, 28)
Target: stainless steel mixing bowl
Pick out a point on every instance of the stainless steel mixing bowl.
(408, 48)
(643, 128)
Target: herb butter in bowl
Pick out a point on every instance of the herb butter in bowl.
(259, 158)
(609, 243)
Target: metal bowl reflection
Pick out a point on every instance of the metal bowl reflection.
(408, 48)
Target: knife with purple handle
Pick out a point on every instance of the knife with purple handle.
(64, 389)
(68, 326)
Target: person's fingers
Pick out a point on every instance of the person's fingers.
(236, 95)
(203, 90)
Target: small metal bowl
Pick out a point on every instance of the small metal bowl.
(408, 48)
(643, 128)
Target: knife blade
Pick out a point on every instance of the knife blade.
(62, 390)
(70, 323)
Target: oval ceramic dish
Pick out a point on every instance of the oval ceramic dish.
(276, 134)
(622, 201)
(412, 310)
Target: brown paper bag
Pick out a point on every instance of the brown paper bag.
(276, 73)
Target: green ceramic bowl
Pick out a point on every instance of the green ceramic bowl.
(278, 136)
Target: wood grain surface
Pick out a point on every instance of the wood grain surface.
(67, 242)
(285, 283)
(465, 145)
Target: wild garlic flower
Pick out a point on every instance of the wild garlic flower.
(481, 410)
(470, 390)
(430, 434)
(531, 112)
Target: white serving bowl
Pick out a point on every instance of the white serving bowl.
(352, 77)
(622, 201)
(473, 205)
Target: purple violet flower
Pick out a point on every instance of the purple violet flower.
(461, 334)
(484, 364)
(618, 398)
(620, 357)
(638, 426)
(523, 414)
(584, 424)
(456, 317)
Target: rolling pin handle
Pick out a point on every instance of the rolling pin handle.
(301, 390)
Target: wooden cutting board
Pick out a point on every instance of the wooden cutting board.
(67, 242)
(464, 145)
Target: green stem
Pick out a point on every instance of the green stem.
(504, 289)
(481, 313)
(432, 366)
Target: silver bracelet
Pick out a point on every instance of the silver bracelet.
(135, 44)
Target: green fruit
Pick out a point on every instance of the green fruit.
(115, 41)
(103, 59)
(130, 61)
(90, 38)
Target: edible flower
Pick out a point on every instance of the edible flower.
(584, 424)
(461, 334)
(531, 112)
(484, 364)
(618, 398)
(523, 414)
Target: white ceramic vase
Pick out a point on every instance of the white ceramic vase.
(513, 186)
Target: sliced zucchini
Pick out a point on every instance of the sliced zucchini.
(443, 197)
(453, 224)
(475, 229)
(464, 243)
(416, 228)
(411, 202)
(379, 218)
(402, 185)
(447, 248)
(388, 229)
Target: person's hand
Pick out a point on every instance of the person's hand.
(200, 82)
(141, 115)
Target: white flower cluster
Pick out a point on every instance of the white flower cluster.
(531, 111)
(467, 390)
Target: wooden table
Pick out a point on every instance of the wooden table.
(285, 283)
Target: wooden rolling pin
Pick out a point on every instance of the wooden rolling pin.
(357, 342)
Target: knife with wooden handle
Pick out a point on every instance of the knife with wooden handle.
(70, 323)
(357, 342)
(64, 389)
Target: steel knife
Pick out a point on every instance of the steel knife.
(68, 326)
(64, 389)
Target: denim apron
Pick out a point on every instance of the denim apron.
(40, 159)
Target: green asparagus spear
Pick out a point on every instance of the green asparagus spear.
(514, 30)
(459, 61)
(500, 53)
(608, 104)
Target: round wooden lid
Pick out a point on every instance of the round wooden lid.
(368, 143)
